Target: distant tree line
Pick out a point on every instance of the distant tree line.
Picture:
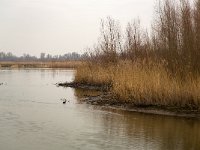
(43, 57)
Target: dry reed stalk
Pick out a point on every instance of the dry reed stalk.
(143, 85)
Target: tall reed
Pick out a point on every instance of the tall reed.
(161, 68)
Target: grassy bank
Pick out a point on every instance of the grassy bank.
(40, 64)
(143, 86)
(157, 68)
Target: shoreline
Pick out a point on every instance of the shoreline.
(106, 101)
(40, 64)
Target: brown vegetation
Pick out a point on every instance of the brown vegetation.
(160, 69)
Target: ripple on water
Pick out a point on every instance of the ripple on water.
(32, 117)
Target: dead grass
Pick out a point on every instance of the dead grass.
(143, 85)
(159, 68)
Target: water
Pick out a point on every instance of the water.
(32, 117)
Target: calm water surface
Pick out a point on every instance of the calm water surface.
(32, 117)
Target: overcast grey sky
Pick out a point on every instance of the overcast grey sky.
(61, 26)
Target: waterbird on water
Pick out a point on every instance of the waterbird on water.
(64, 101)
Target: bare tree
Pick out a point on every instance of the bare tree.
(167, 27)
(111, 39)
(133, 39)
(196, 55)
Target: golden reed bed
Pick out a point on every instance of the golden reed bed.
(156, 67)
(143, 86)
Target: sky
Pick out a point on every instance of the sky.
(62, 26)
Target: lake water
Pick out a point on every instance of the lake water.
(33, 117)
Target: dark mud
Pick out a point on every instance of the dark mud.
(107, 101)
(97, 87)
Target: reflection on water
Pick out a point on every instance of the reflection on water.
(149, 131)
(32, 116)
(156, 132)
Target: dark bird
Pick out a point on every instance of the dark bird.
(64, 101)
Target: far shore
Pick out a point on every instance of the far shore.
(106, 101)
(40, 64)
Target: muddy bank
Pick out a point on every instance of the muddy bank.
(106, 100)
(97, 87)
